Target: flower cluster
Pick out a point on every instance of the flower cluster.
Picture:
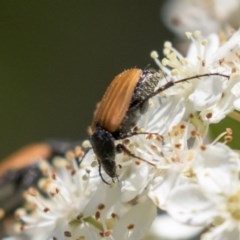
(207, 16)
(192, 179)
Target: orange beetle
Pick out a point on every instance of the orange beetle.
(117, 112)
(124, 101)
(20, 170)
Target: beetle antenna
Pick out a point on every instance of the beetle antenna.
(172, 83)
(121, 148)
(100, 174)
(202, 75)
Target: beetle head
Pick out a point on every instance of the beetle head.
(104, 148)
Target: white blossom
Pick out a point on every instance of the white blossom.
(213, 96)
(82, 207)
(207, 16)
(214, 198)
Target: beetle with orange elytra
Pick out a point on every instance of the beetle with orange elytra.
(124, 101)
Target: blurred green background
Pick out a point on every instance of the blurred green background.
(57, 58)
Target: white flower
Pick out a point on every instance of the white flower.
(215, 197)
(82, 207)
(214, 96)
(207, 16)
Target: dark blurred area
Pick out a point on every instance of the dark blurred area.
(57, 58)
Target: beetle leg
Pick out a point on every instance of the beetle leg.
(158, 136)
(121, 148)
(147, 133)
(100, 174)
(130, 134)
(80, 159)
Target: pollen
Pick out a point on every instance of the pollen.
(197, 34)
(114, 215)
(33, 192)
(182, 126)
(154, 54)
(204, 42)
(101, 206)
(175, 72)
(209, 115)
(19, 213)
(203, 147)
(184, 61)
(79, 152)
(195, 133)
(22, 227)
(229, 131)
(126, 141)
(107, 233)
(228, 138)
(54, 176)
(221, 61)
(68, 166)
(159, 138)
(73, 172)
(153, 147)
(149, 136)
(46, 209)
(67, 234)
(234, 70)
(188, 35)
(79, 216)
(97, 214)
(70, 155)
(130, 226)
(165, 62)
(137, 162)
(86, 144)
(178, 145)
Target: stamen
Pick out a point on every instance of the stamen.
(227, 135)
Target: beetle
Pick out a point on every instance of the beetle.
(20, 170)
(116, 114)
